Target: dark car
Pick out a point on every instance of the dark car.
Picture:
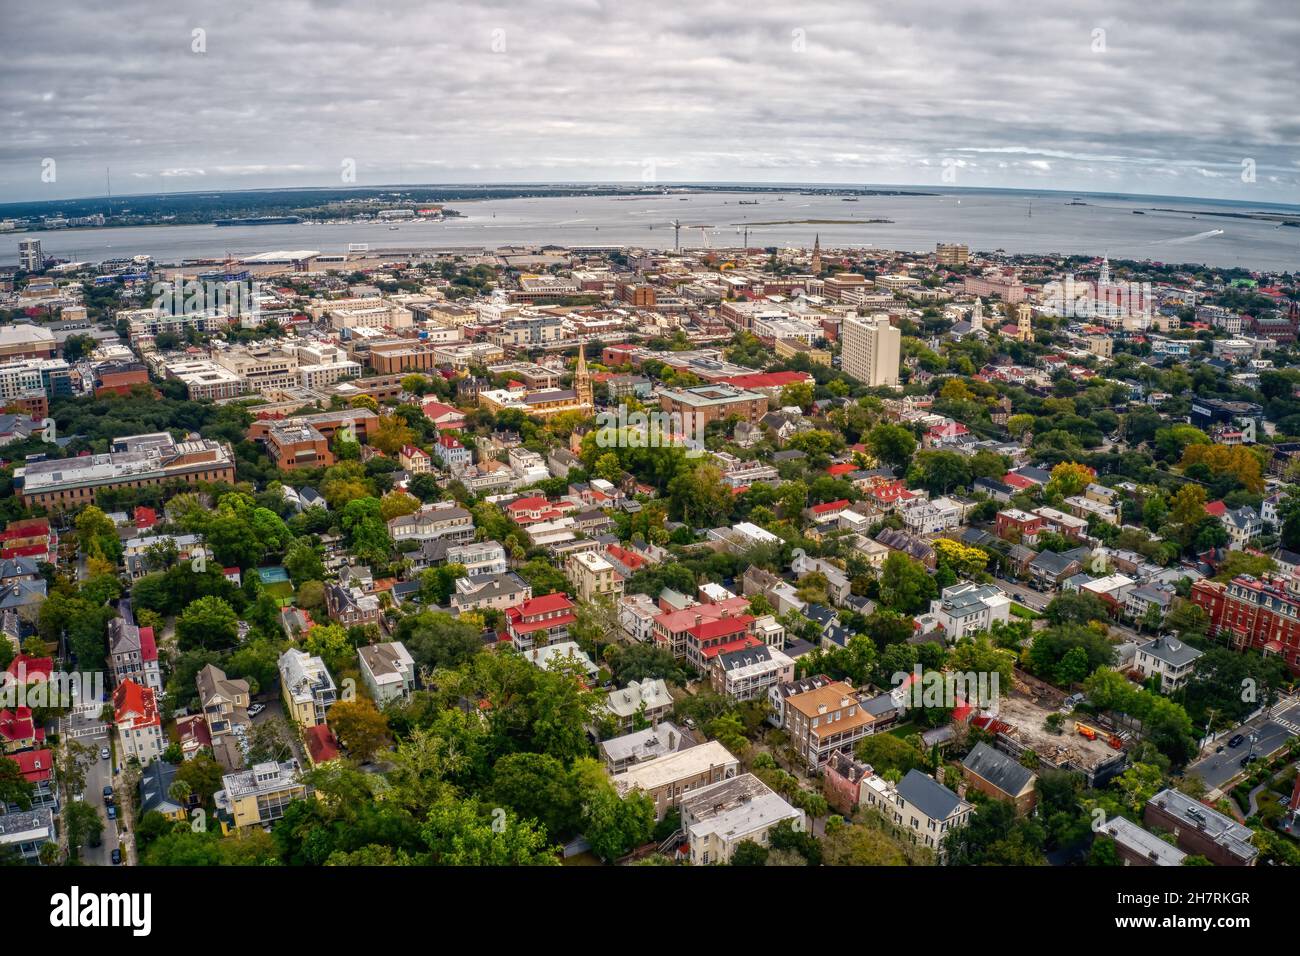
(112, 812)
(1249, 759)
(108, 793)
(116, 857)
(1237, 740)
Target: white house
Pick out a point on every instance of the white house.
(387, 670)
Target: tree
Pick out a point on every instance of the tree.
(544, 577)
(330, 642)
(461, 833)
(797, 395)
(700, 496)
(887, 752)
(1076, 607)
(397, 504)
(905, 584)
(202, 775)
(303, 562)
(538, 787)
(208, 622)
(749, 853)
(83, 824)
(892, 444)
(14, 787)
(613, 825)
(939, 472)
(438, 640)
(360, 727)
(1068, 478)
(389, 433)
(856, 845)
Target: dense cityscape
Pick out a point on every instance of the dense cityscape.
(617, 555)
(488, 462)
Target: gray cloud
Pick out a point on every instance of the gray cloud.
(1011, 94)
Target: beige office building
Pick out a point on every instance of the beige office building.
(871, 350)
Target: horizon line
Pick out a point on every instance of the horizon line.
(924, 190)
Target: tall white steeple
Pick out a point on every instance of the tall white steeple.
(977, 315)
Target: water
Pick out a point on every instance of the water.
(1016, 222)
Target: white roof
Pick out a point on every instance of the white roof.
(654, 774)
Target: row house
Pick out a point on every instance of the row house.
(636, 616)
(307, 687)
(499, 591)
(593, 578)
(350, 606)
(433, 521)
(540, 621)
(449, 450)
(671, 627)
(750, 673)
(1256, 613)
(922, 516)
(133, 654)
(415, 460)
(476, 557)
(137, 722)
(824, 721)
(647, 701)
(224, 702)
(919, 805)
(537, 509)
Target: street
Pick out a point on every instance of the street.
(83, 725)
(1218, 769)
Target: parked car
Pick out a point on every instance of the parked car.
(1237, 740)
(1249, 759)
(116, 857)
(104, 753)
(256, 709)
(112, 812)
(108, 793)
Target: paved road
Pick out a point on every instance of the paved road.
(1034, 600)
(97, 777)
(1217, 769)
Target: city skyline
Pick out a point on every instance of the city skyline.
(1097, 98)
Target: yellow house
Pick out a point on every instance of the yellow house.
(257, 797)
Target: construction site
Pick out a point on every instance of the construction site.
(1082, 744)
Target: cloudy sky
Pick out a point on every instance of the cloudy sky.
(1140, 97)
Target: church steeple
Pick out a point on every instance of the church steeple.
(582, 379)
(816, 264)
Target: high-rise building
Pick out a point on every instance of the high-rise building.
(30, 257)
(951, 253)
(871, 349)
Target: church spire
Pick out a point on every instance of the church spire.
(817, 255)
(582, 379)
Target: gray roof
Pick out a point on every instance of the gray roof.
(998, 769)
(928, 795)
(1223, 830)
(1173, 652)
(1051, 563)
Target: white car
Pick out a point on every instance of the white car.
(104, 753)
(256, 709)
